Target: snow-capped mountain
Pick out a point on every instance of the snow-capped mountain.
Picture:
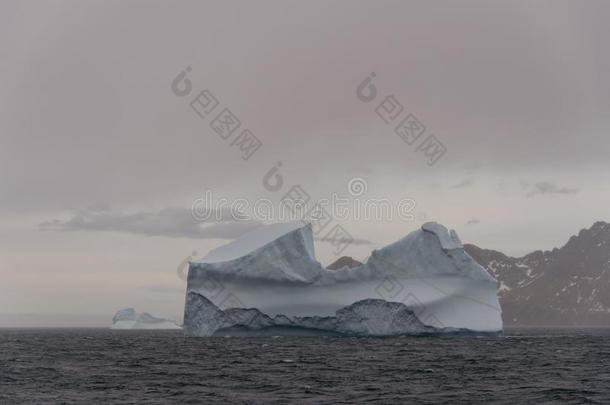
(561, 287)
(271, 272)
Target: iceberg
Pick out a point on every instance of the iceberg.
(128, 318)
(269, 282)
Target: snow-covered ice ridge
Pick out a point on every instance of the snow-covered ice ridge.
(128, 318)
(272, 272)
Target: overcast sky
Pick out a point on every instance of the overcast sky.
(100, 161)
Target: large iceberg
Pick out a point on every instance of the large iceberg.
(128, 318)
(269, 282)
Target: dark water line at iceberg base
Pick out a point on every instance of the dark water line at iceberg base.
(165, 367)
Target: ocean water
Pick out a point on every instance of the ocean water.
(39, 366)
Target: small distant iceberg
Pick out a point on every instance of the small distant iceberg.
(128, 318)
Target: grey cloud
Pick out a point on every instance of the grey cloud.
(546, 187)
(169, 222)
(99, 207)
(473, 222)
(463, 183)
(359, 169)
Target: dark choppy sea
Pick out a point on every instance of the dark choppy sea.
(40, 366)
